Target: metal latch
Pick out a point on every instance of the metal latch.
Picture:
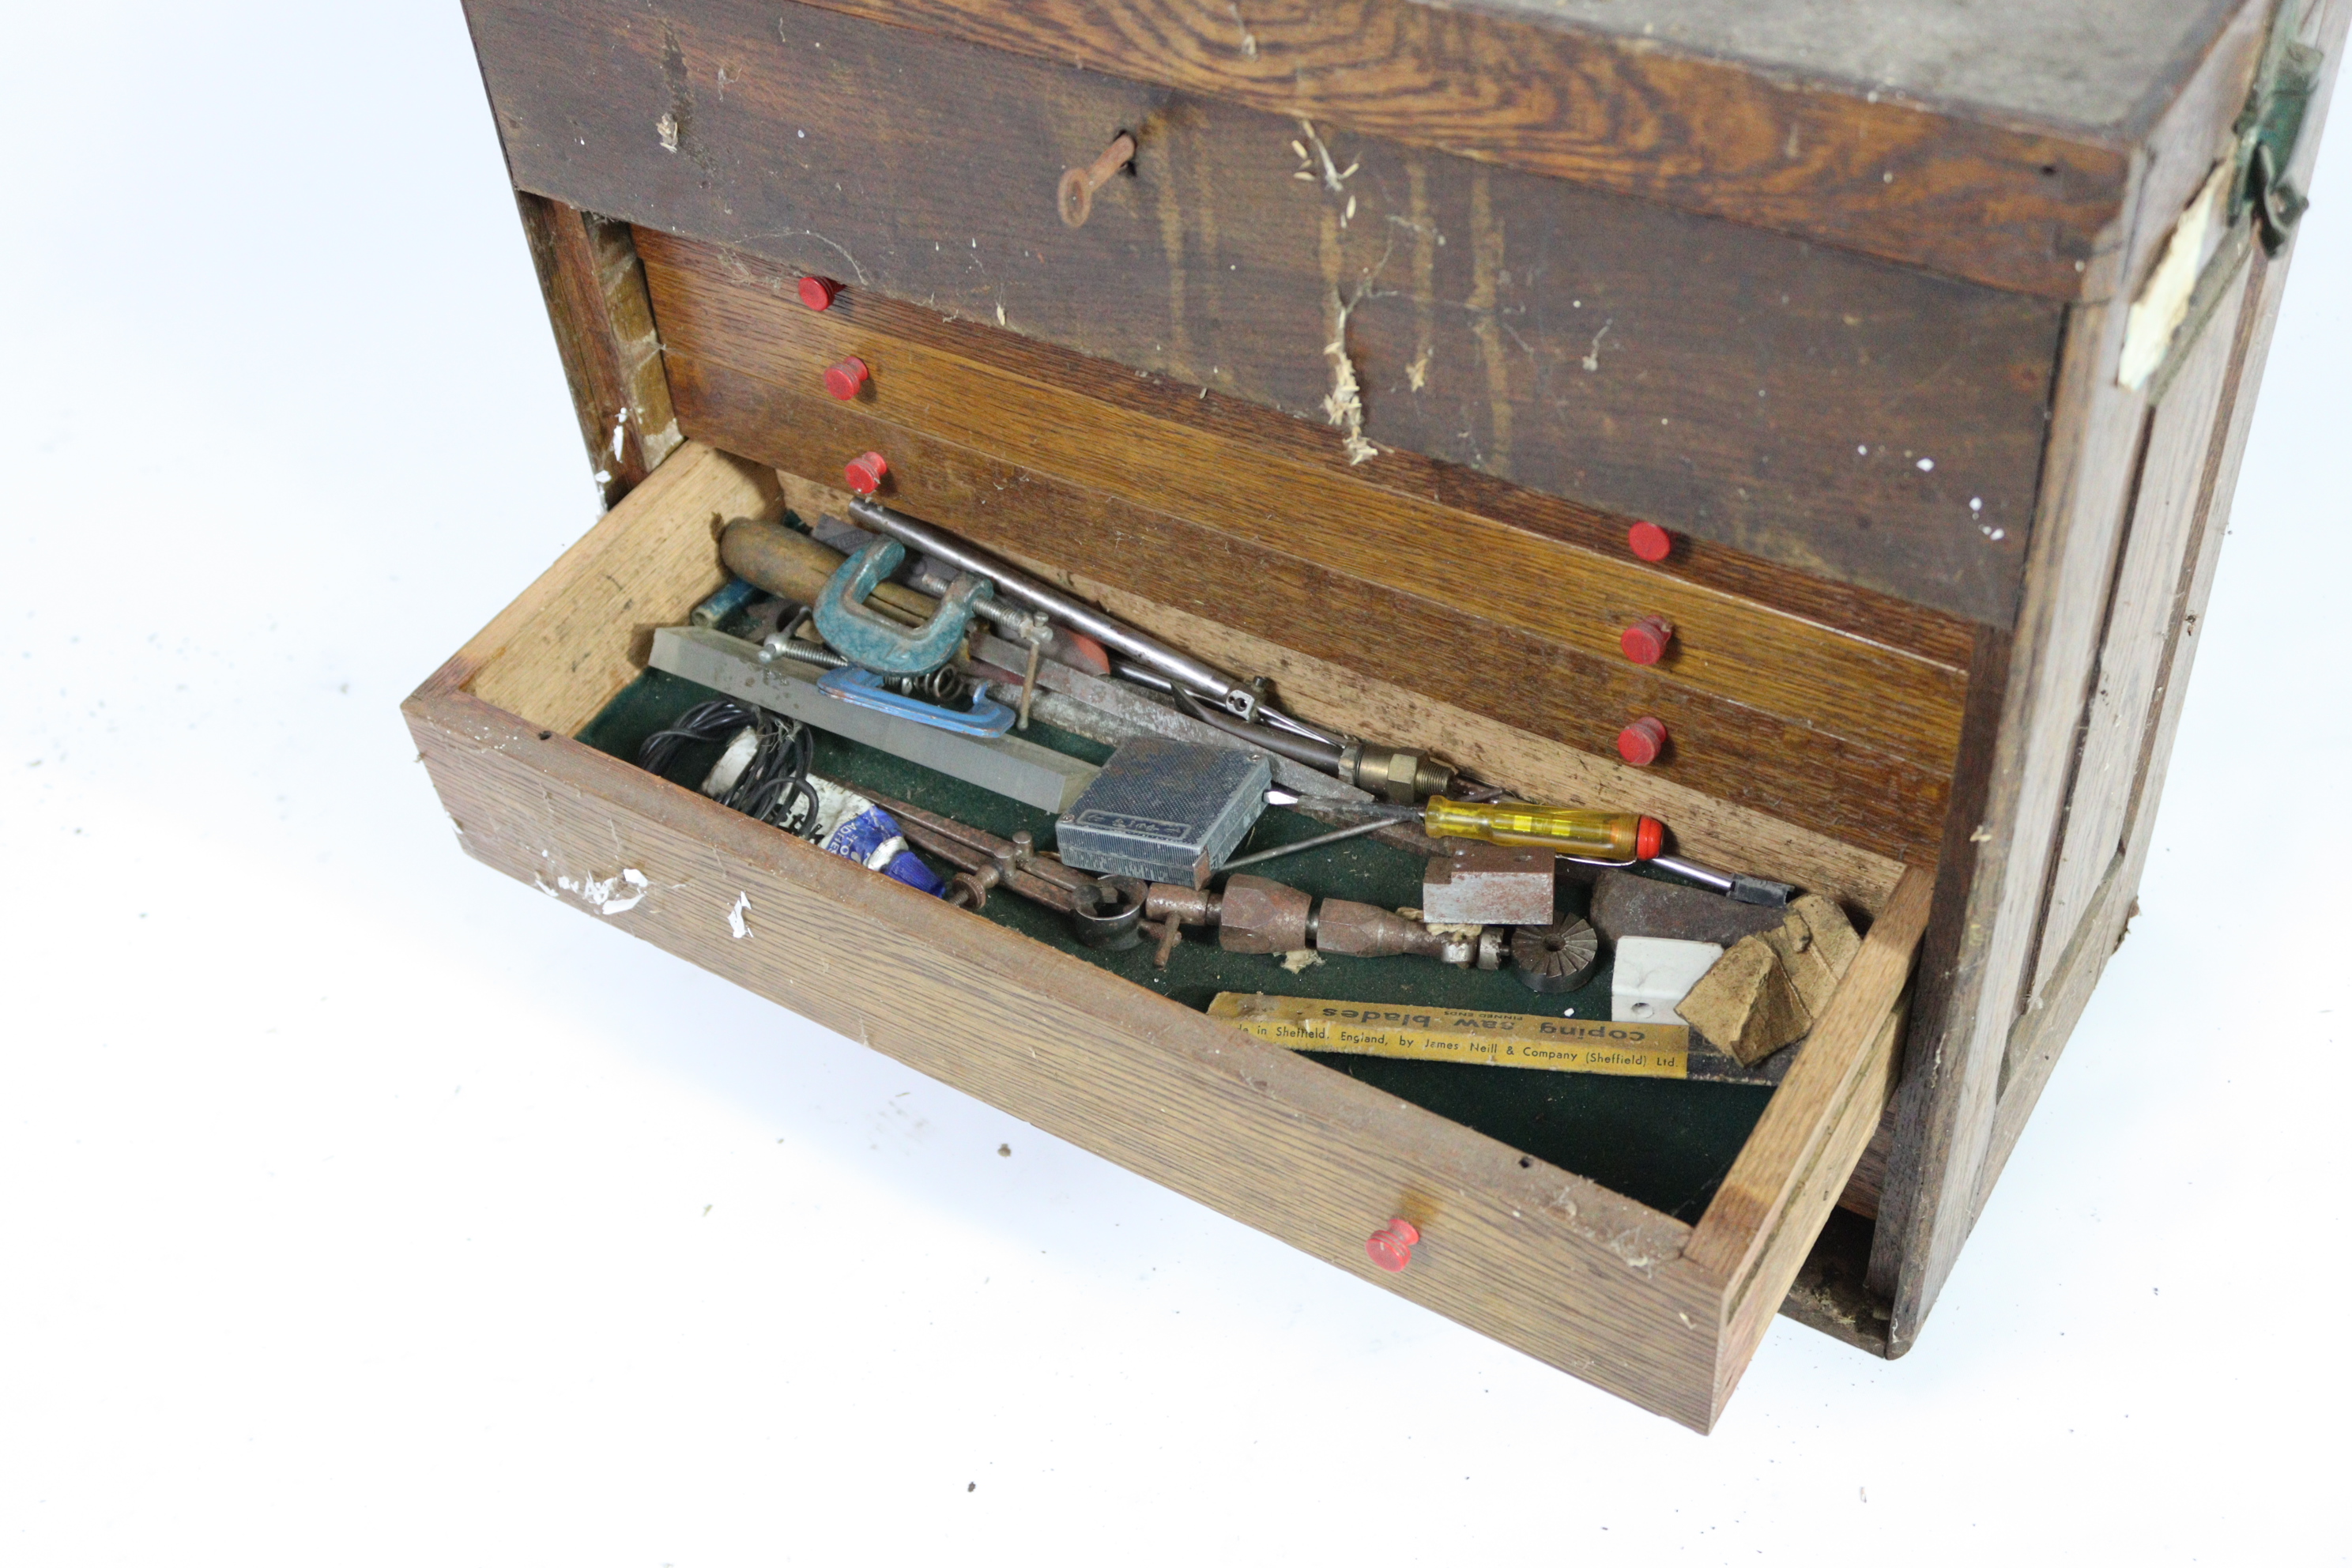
(2267, 132)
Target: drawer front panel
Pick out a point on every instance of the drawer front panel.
(1574, 1275)
(1847, 417)
(1769, 710)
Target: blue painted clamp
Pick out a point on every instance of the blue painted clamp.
(865, 640)
(986, 722)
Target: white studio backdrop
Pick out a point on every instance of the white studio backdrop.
(359, 1206)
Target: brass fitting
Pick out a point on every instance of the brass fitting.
(1399, 777)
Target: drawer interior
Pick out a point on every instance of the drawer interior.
(1666, 1143)
(1638, 1233)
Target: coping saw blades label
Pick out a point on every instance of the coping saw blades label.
(1484, 1039)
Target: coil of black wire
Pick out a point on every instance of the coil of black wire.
(773, 786)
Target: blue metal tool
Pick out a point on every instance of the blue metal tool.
(724, 602)
(865, 640)
(986, 722)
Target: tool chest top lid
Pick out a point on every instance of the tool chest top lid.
(2098, 65)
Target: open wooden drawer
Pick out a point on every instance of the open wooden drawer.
(1665, 1313)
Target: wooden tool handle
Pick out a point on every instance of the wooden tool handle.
(787, 563)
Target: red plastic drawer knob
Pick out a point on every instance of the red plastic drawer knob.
(817, 293)
(865, 474)
(1392, 1249)
(1641, 742)
(843, 380)
(1650, 542)
(1645, 640)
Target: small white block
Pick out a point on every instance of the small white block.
(1653, 974)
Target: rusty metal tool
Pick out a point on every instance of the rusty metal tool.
(1255, 915)
(1076, 195)
(1105, 912)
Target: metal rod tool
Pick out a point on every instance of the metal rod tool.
(1241, 699)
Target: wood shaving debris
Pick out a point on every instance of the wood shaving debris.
(1335, 179)
(1592, 358)
(1249, 43)
(1300, 961)
(1344, 406)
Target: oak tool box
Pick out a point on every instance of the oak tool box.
(1817, 439)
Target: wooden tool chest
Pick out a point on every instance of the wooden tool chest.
(1929, 345)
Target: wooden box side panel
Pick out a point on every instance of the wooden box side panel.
(552, 656)
(2125, 473)
(603, 324)
(2184, 431)
(1757, 1232)
(2040, 1033)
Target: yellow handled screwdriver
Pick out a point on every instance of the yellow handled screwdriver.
(1620, 838)
(1587, 834)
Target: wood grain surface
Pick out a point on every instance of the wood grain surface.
(2041, 1032)
(1989, 197)
(1762, 1223)
(562, 651)
(1950, 1120)
(2167, 504)
(1753, 761)
(605, 334)
(693, 274)
(1011, 401)
(1534, 766)
(1850, 417)
(1768, 710)
(1579, 1277)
